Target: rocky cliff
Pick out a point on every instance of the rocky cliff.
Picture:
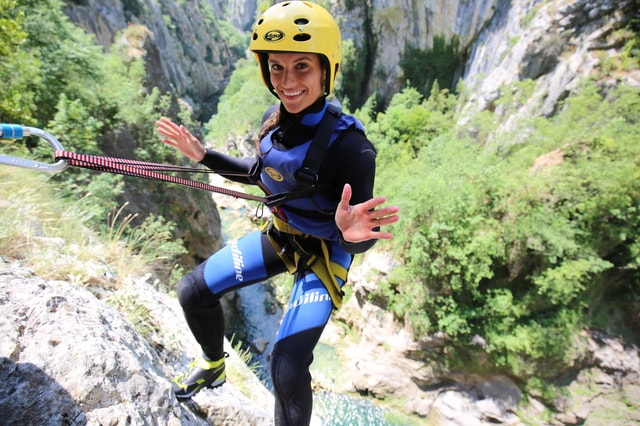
(555, 44)
(192, 62)
(383, 28)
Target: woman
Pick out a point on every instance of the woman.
(327, 216)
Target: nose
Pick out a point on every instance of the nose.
(287, 77)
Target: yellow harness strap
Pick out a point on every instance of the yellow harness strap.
(322, 266)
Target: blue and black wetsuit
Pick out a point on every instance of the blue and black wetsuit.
(349, 158)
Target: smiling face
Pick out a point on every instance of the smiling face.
(297, 79)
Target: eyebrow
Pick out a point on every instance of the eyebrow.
(306, 57)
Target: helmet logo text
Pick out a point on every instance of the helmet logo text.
(274, 35)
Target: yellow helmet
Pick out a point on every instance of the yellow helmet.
(297, 26)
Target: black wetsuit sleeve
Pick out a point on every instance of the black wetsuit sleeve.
(242, 170)
(354, 158)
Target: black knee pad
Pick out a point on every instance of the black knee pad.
(290, 361)
(285, 374)
(291, 379)
(192, 290)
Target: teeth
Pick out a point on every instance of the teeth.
(296, 93)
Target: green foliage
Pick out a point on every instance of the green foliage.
(18, 70)
(134, 106)
(153, 241)
(513, 242)
(242, 105)
(70, 61)
(440, 63)
(234, 40)
(409, 123)
(57, 79)
(352, 79)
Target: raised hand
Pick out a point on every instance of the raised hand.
(181, 139)
(357, 222)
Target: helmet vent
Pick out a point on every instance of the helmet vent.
(302, 37)
(301, 21)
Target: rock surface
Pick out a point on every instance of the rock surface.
(68, 357)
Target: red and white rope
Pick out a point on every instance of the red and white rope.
(147, 170)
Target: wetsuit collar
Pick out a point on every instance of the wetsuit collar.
(310, 116)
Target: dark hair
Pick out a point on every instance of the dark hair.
(267, 125)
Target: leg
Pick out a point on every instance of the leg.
(290, 361)
(307, 314)
(243, 262)
(302, 326)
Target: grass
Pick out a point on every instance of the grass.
(40, 227)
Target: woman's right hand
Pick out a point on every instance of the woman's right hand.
(181, 139)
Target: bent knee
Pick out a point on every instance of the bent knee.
(192, 290)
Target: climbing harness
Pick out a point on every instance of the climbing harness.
(320, 263)
(113, 165)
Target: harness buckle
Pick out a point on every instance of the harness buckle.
(306, 176)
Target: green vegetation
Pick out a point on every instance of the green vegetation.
(236, 115)
(440, 63)
(53, 233)
(522, 241)
(352, 79)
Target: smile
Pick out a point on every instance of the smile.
(292, 94)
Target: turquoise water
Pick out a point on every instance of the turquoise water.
(335, 409)
(338, 409)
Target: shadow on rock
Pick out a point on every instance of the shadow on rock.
(28, 396)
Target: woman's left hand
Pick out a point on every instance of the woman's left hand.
(357, 222)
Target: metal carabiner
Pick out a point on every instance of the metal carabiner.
(16, 131)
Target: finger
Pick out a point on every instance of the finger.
(167, 126)
(380, 235)
(167, 131)
(170, 142)
(164, 122)
(385, 211)
(346, 195)
(383, 235)
(386, 220)
(373, 203)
